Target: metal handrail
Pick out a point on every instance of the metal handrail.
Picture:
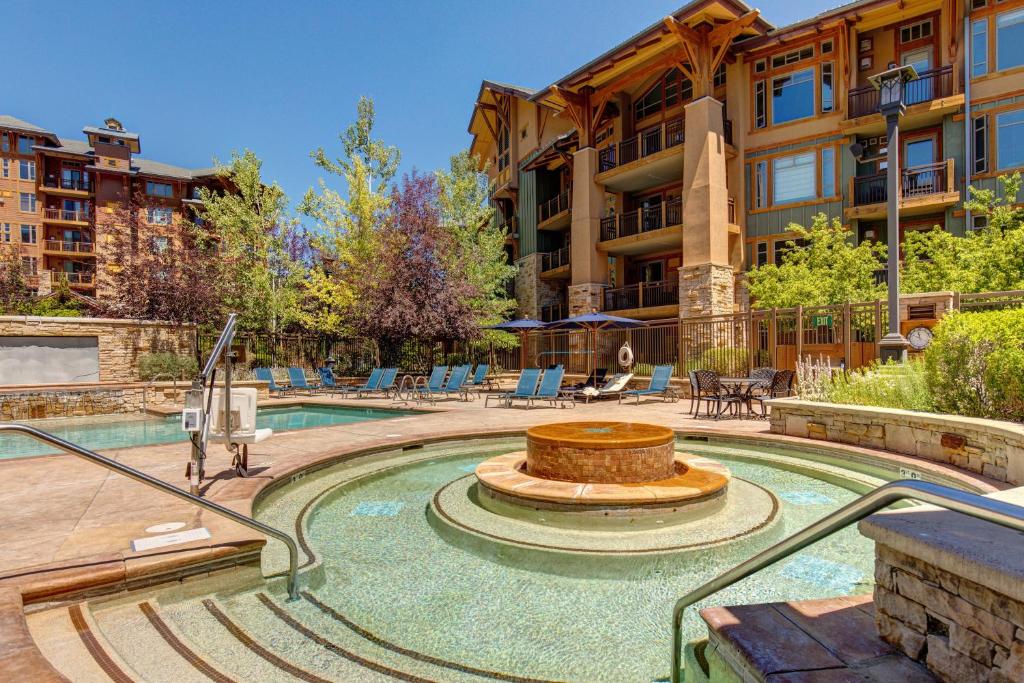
(988, 509)
(142, 478)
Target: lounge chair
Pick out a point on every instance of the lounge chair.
(548, 390)
(615, 385)
(385, 385)
(456, 383)
(328, 383)
(266, 375)
(372, 382)
(526, 386)
(593, 379)
(297, 380)
(480, 379)
(434, 384)
(659, 386)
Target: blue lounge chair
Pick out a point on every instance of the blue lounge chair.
(385, 383)
(434, 384)
(456, 384)
(297, 380)
(372, 382)
(526, 386)
(548, 390)
(659, 386)
(266, 375)
(328, 383)
(480, 378)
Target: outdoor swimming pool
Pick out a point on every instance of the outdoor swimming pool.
(125, 431)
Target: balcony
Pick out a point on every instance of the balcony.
(644, 229)
(69, 247)
(79, 280)
(555, 264)
(555, 311)
(63, 216)
(928, 99)
(644, 300)
(510, 227)
(70, 186)
(923, 189)
(555, 213)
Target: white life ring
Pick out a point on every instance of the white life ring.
(625, 355)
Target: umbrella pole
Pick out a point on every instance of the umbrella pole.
(522, 350)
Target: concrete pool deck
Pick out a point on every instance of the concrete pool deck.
(69, 523)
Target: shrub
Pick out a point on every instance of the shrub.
(725, 360)
(904, 387)
(165, 365)
(975, 364)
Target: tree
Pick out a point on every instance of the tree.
(828, 269)
(986, 260)
(260, 245)
(14, 291)
(416, 293)
(350, 224)
(479, 243)
(173, 275)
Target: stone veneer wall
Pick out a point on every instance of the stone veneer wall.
(533, 292)
(989, 447)
(583, 298)
(121, 342)
(706, 289)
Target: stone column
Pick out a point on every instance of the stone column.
(706, 276)
(589, 266)
(527, 278)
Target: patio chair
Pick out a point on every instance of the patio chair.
(267, 375)
(372, 382)
(694, 392)
(385, 385)
(328, 382)
(297, 380)
(593, 379)
(765, 375)
(456, 384)
(614, 386)
(433, 384)
(711, 390)
(781, 386)
(526, 386)
(659, 386)
(547, 390)
(479, 378)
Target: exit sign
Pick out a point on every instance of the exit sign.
(821, 321)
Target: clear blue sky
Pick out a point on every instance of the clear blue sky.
(198, 79)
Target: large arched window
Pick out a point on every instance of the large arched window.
(669, 90)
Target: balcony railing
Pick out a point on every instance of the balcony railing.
(70, 246)
(510, 226)
(65, 215)
(643, 144)
(80, 278)
(552, 207)
(642, 295)
(553, 312)
(916, 181)
(80, 184)
(666, 214)
(554, 259)
(930, 85)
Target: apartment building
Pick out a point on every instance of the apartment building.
(58, 197)
(645, 182)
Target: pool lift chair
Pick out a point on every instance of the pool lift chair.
(220, 414)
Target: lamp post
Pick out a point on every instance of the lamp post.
(893, 346)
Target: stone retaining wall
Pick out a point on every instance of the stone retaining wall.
(989, 447)
(121, 342)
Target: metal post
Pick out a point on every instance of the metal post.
(893, 346)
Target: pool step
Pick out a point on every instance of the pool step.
(69, 638)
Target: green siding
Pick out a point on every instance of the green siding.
(527, 209)
(953, 148)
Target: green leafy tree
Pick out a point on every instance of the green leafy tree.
(478, 251)
(257, 239)
(986, 260)
(349, 222)
(828, 269)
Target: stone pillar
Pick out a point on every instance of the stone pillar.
(527, 305)
(706, 276)
(589, 266)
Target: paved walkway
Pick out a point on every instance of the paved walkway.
(62, 514)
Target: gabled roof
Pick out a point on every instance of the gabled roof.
(12, 123)
(479, 125)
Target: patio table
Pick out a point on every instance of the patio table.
(743, 387)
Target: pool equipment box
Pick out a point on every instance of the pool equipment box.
(142, 544)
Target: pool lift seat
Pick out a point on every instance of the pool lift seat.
(243, 425)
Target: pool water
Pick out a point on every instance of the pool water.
(540, 615)
(104, 432)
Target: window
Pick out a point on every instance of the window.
(25, 144)
(980, 144)
(827, 95)
(979, 221)
(719, 79)
(5, 143)
(503, 147)
(793, 178)
(1010, 139)
(979, 47)
(783, 246)
(761, 256)
(922, 29)
(761, 185)
(671, 90)
(828, 172)
(793, 96)
(29, 265)
(1010, 39)
(826, 47)
(760, 105)
(28, 202)
(792, 57)
(160, 245)
(27, 170)
(28, 234)
(5, 169)
(760, 66)
(158, 215)
(5, 232)
(159, 189)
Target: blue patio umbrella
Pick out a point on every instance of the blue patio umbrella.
(593, 322)
(523, 326)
